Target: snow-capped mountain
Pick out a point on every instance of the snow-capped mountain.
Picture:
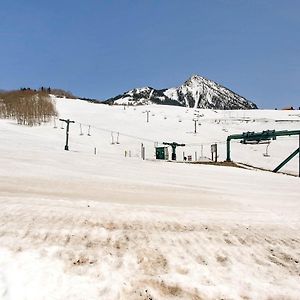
(197, 92)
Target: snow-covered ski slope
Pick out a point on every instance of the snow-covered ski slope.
(75, 225)
(175, 124)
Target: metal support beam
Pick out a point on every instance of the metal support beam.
(286, 161)
(258, 137)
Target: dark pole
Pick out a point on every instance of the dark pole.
(67, 137)
(67, 132)
(142, 151)
(228, 149)
(195, 126)
(173, 152)
(216, 152)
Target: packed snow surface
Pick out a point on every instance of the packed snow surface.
(98, 222)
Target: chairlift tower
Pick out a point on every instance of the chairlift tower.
(195, 121)
(174, 145)
(147, 112)
(265, 137)
(67, 132)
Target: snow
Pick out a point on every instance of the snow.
(197, 85)
(75, 225)
(171, 93)
(196, 92)
(123, 101)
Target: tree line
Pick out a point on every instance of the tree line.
(54, 91)
(27, 106)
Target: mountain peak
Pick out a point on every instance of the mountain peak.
(196, 92)
(195, 80)
(196, 77)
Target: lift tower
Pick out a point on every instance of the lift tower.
(174, 145)
(267, 135)
(67, 132)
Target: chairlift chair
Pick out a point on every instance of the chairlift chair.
(112, 138)
(81, 133)
(266, 154)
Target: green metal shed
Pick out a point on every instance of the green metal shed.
(162, 153)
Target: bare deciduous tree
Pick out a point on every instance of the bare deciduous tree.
(27, 107)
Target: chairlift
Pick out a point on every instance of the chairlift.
(62, 125)
(118, 138)
(112, 138)
(81, 133)
(255, 142)
(89, 131)
(54, 125)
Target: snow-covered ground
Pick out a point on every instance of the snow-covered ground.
(75, 225)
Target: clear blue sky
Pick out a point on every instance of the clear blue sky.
(100, 48)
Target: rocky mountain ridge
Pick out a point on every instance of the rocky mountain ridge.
(197, 92)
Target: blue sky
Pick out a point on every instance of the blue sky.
(100, 48)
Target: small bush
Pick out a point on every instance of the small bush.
(27, 107)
